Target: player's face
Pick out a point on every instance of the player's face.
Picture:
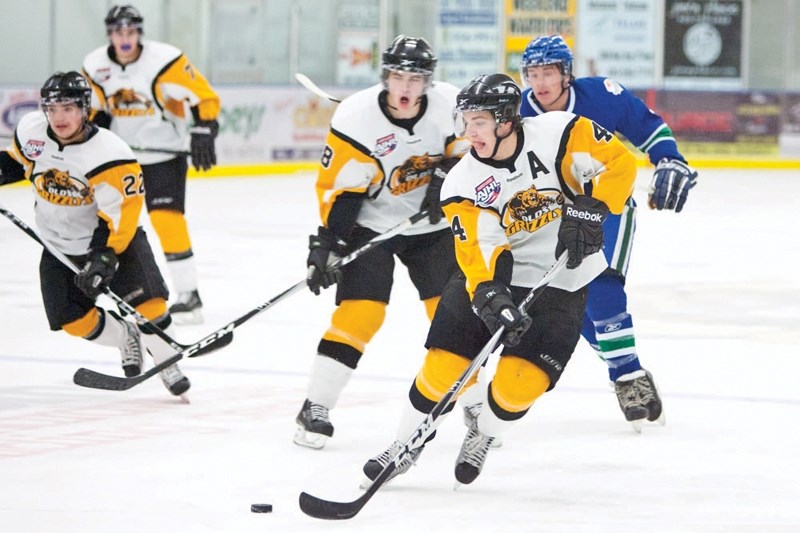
(479, 129)
(405, 90)
(66, 120)
(126, 43)
(548, 84)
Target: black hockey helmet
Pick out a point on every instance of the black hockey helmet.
(125, 16)
(64, 87)
(492, 92)
(409, 54)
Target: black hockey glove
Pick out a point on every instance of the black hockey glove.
(101, 119)
(432, 202)
(96, 274)
(204, 155)
(671, 183)
(581, 231)
(492, 302)
(323, 250)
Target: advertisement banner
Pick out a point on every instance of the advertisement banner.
(526, 19)
(358, 58)
(709, 123)
(703, 44)
(615, 40)
(467, 40)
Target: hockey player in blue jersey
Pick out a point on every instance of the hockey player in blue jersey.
(546, 68)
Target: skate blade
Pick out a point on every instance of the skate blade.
(637, 425)
(315, 441)
(188, 319)
(366, 483)
(185, 398)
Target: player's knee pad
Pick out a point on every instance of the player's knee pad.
(172, 231)
(153, 309)
(430, 306)
(84, 326)
(355, 322)
(439, 371)
(517, 383)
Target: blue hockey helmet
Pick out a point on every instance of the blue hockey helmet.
(547, 50)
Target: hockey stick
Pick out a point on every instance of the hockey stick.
(349, 258)
(159, 150)
(306, 82)
(96, 380)
(205, 345)
(331, 510)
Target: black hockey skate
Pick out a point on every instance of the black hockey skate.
(187, 309)
(638, 398)
(374, 466)
(471, 413)
(314, 427)
(472, 456)
(131, 350)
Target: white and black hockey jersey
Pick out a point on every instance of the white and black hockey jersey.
(367, 153)
(147, 98)
(81, 188)
(495, 206)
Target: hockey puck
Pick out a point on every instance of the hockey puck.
(261, 508)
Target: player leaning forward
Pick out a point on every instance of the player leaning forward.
(141, 91)
(89, 194)
(514, 203)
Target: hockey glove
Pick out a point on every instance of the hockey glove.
(101, 119)
(492, 302)
(671, 183)
(93, 279)
(432, 202)
(581, 231)
(204, 155)
(323, 251)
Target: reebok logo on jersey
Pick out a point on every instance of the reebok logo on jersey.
(33, 149)
(612, 327)
(582, 214)
(487, 192)
(385, 145)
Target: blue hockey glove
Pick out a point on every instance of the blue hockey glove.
(671, 183)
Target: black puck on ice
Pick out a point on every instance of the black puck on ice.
(261, 508)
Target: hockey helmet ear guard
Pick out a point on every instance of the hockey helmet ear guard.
(547, 50)
(64, 87)
(496, 93)
(125, 16)
(408, 54)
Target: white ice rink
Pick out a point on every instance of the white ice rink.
(713, 291)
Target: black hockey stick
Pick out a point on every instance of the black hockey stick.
(205, 345)
(159, 150)
(331, 510)
(349, 258)
(306, 82)
(96, 380)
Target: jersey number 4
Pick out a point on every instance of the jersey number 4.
(600, 133)
(458, 229)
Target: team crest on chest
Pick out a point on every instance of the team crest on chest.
(413, 173)
(102, 74)
(58, 187)
(33, 148)
(532, 209)
(487, 192)
(129, 103)
(385, 145)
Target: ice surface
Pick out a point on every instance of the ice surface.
(713, 291)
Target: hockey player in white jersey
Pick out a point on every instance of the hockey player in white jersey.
(89, 193)
(387, 151)
(514, 203)
(141, 91)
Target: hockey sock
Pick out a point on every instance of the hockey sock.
(328, 378)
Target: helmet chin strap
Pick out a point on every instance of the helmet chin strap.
(498, 140)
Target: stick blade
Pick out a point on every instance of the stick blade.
(328, 510)
(220, 342)
(85, 377)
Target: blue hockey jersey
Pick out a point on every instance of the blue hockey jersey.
(613, 107)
